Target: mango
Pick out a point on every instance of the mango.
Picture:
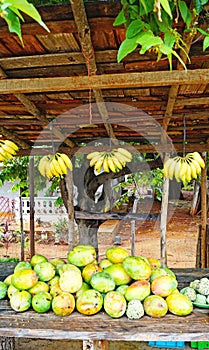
(155, 306)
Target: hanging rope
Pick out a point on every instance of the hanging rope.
(184, 136)
(88, 58)
(51, 135)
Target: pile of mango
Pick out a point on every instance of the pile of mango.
(120, 285)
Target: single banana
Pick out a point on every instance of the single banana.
(49, 174)
(94, 160)
(166, 166)
(98, 165)
(56, 164)
(11, 144)
(92, 155)
(120, 157)
(199, 159)
(177, 169)
(111, 164)
(8, 149)
(62, 164)
(53, 169)
(43, 165)
(193, 170)
(105, 164)
(183, 169)
(171, 169)
(67, 160)
(125, 152)
(117, 163)
(188, 175)
(197, 166)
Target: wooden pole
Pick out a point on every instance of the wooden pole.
(204, 214)
(22, 233)
(31, 187)
(163, 219)
(70, 209)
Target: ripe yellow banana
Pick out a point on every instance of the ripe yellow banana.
(5, 154)
(62, 164)
(183, 169)
(193, 170)
(111, 164)
(126, 153)
(197, 166)
(188, 174)
(94, 160)
(43, 165)
(11, 144)
(166, 166)
(120, 157)
(56, 165)
(171, 169)
(92, 155)
(105, 164)
(177, 169)
(98, 165)
(53, 169)
(8, 149)
(67, 160)
(117, 162)
(199, 159)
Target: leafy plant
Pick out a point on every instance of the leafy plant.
(154, 27)
(10, 11)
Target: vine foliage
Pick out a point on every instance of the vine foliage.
(154, 26)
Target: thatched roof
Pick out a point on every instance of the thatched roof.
(47, 80)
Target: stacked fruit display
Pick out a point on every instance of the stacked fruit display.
(56, 165)
(7, 150)
(198, 292)
(184, 168)
(120, 284)
(114, 160)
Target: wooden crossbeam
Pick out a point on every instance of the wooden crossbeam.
(104, 81)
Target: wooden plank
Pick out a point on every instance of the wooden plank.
(104, 81)
(102, 327)
(116, 216)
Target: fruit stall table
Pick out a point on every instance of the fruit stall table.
(101, 328)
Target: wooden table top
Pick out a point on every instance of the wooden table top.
(29, 324)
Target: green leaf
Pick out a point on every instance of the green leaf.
(127, 46)
(120, 19)
(185, 13)
(146, 6)
(202, 31)
(29, 9)
(132, 1)
(13, 23)
(198, 6)
(148, 41)
(205, 42)
(169, 39)
(166, 50)
(166, 6)
(134, 28)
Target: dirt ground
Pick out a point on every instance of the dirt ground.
(181, 238)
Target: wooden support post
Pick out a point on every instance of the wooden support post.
(70, 209)
(203, 214)
(163, 220)
(32, 229)
(133, 224)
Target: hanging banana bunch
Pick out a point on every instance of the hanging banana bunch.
(184, 168)
(54, 166)
(7, 150)
(110, 161)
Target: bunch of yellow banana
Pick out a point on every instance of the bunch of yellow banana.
(114, 160)
(7, 149)
(56, 165)
(184, 168)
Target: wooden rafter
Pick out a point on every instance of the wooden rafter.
(84, 34)
(104, 81)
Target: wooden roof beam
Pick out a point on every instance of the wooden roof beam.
(84, 34)
(104, 81)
